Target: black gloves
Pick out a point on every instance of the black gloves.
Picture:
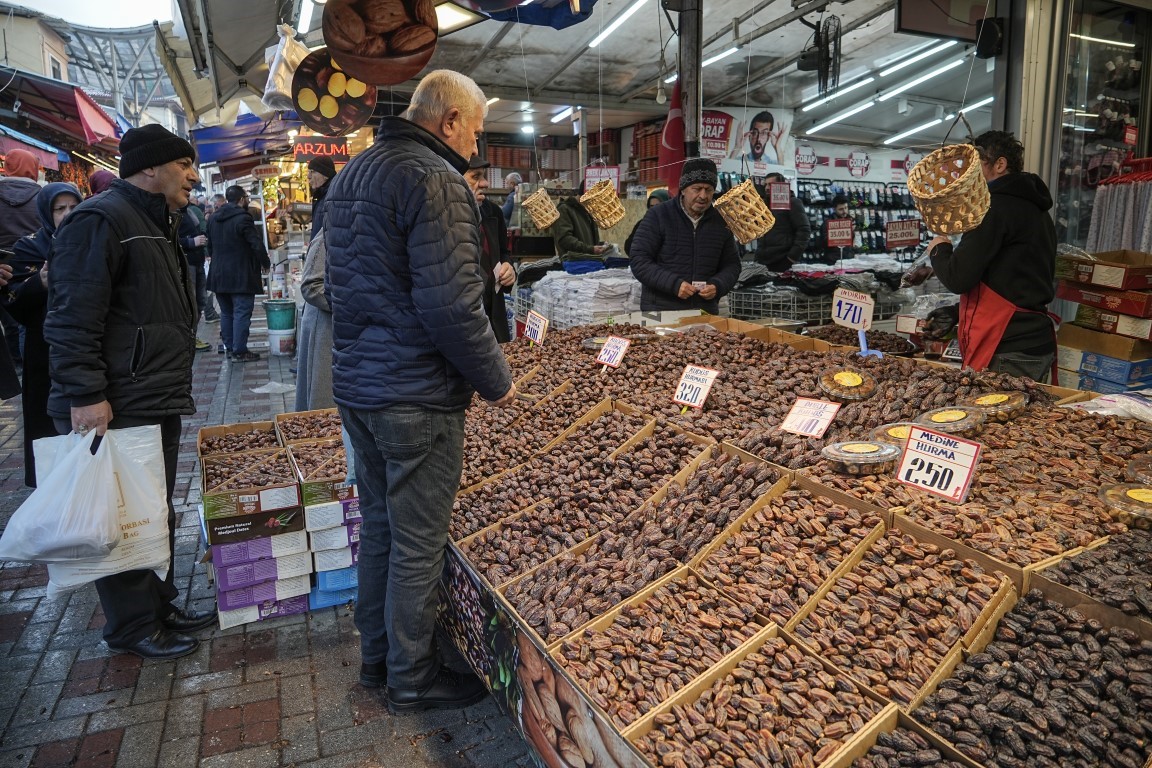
(941, 322)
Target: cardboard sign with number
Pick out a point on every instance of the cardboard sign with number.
(780, 196)
(613, 351)
(841, 233)
(904, 233)
(939, 463)
(852, 309)
(810, 418)
(535, 326)
(694, 385)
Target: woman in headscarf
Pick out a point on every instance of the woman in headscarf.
(26, 299)
(100, 180)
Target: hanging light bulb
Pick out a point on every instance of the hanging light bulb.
(661, 96)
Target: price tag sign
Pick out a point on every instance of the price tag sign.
(535, 326)
(780, 196)
(613, 351)
(939, 463)
(904, 233)
(809, 417)
(841, 233)
(694, 385)
(852, 309)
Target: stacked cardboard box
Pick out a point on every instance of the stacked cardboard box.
(1108, 347)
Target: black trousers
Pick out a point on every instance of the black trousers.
(135, 602)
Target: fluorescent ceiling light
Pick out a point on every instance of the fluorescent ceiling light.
(527, 129)
(671, 78)
(719, 56)
(977, 105)
(451, 17)
(918, 57)
(1102, 40)
(304, 23)
(922, 79)
(840, 92)
(839, 117)
(910, 131)
(566, 112)
(615, 25)
(493, 100)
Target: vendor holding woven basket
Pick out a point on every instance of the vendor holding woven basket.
(1004, 268)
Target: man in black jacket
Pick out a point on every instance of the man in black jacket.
(784, 244)
(120, 327)
(321, 171)
(495, 256)
(238, 257)
(194, 241)
(683, 252)
(1005, 268)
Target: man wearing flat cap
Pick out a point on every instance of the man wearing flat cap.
(683, 253)
(121, 327)
(321, 171)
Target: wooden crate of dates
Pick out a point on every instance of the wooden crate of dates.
(321, 469)
(772, 702)
(236, 438)
(249, 483)
(896, 740)
(307, 426)
(647, 649)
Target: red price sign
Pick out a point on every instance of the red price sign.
(939, 463)
(841, 233)
(613, 351)
(809, 417)
(904, 233)
(535, 326)
(1130, 135)
(694, 385)
(780, 196)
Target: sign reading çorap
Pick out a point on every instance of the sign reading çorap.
(810, 418)
(939, 463)
(694, 385)
(535, 326)
(613, 351)
(852, 309)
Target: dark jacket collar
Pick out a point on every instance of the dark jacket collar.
(393, 128)
(154, 204)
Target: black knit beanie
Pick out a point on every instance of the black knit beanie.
(323, 165)
(148, 146)
(698, 170)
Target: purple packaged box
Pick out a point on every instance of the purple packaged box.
(320, 516)
(258, 571)
(265, 592)
(265, 610)
(334, 538)
(263, 548)
(334, 559)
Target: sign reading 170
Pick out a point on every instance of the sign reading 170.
(852, 309)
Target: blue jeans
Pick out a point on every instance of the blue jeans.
(235, 320)
(408, 464)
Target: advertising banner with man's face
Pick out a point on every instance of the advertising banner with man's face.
(752, 141)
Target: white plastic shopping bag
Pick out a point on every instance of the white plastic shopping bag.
(142, 506)
(289, 53)
(72, 513)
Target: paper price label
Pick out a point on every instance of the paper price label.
(694, 385)
(613, 351)
(904, 233)
(780, 196)
(809, 417)
(939, 463)
(535, 326)
(841, 233)
(852, 309)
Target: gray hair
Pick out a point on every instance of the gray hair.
(442, 91)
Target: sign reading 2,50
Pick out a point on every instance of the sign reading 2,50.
(928, 474)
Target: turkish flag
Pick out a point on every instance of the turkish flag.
(671, 155)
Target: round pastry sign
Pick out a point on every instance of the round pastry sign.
(383, 42)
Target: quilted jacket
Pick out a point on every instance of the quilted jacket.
(403, 238)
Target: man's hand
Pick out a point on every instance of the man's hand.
(599, 249)
(505, 274)
(200, 240)
(508, 398)
(940, 323)
(89, 417)
(5, 274)
(687, 290)
(708, 292)
(44, 275)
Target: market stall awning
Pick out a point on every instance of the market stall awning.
(61, 106)
(50, 157)
(251, 138)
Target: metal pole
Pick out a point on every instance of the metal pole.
(579, 117)
(691, 47)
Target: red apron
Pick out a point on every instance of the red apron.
(984, 316)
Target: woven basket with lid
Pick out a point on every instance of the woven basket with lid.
(602, 204)
(744, 210)
(949, 189)
(541, 208)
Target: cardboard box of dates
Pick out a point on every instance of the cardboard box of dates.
(307, 426)
(236, 438)
(321, 468)
(258, 482)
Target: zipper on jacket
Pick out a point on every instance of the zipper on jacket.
(137, 352)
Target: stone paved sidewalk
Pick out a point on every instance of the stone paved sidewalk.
(275, 693)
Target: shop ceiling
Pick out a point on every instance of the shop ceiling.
(536, 71)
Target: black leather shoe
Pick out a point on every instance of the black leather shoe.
(189, 621)
(448, 690)
(374, 675)
(160, 645)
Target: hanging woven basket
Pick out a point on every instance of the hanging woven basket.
(744, 210)
(541, 208)
(949, 189)
(602, 204)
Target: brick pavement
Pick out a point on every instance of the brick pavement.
(275, 693)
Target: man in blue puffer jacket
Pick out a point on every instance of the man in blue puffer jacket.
(411, 343)
(683, 252)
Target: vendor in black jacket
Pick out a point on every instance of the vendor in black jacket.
(784, 244)
(1004, 269)
(683, 253)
